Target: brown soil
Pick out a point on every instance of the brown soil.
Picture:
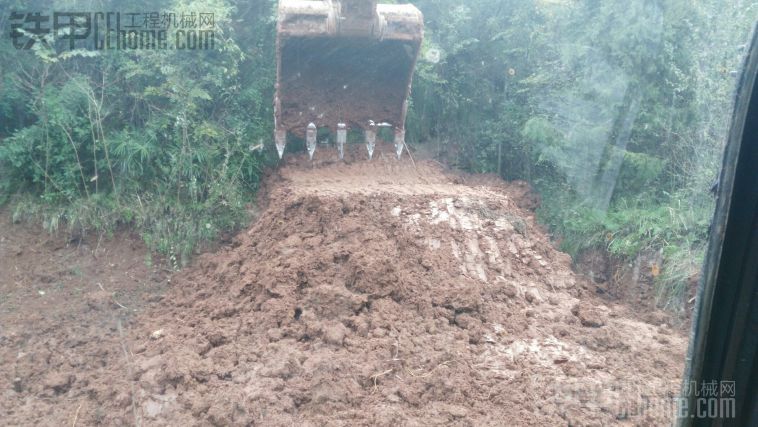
(365, 294)
(323, 83)
(66, 306)
(634, 283)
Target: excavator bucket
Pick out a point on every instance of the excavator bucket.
(344, 64)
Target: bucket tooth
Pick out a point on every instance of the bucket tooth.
(341, 139)
(280, 137)
(310, 139)
(371, 139)
(399, 142)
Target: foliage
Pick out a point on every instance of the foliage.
(156, 139)
(615, 112)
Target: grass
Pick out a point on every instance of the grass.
(676, 226)
(175, 230)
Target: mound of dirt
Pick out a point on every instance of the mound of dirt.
(380, 293)
(385, 293)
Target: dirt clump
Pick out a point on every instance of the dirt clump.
(588, 315)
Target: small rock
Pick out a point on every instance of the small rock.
(156, 335)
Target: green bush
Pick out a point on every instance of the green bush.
(158, 140)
